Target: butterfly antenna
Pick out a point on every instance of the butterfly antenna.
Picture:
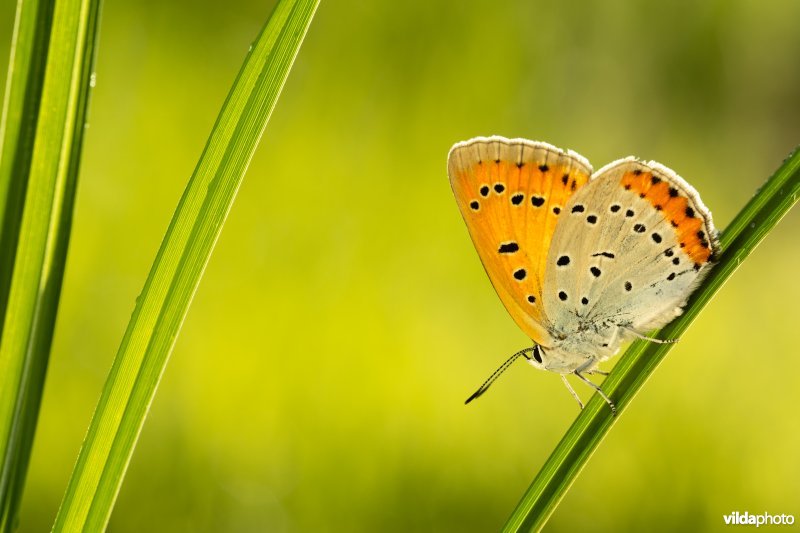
(488, 383)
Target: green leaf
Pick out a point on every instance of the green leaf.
(177, 269)
(41, 134)
(750, 226)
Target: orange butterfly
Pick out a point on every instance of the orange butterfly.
(582, 261)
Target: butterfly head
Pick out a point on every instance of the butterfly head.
(570, 351)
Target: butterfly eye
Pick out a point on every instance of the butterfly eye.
(537, 355)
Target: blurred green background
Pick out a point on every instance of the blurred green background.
(319, 379)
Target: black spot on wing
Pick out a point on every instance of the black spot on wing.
(508, 247)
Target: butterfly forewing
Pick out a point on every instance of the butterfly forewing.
(512, 194)
(637, 239)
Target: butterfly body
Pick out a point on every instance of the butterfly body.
(582, 261)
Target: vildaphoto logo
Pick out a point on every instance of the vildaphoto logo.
(746, 519)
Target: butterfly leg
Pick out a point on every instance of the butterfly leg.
(650, 339)
(598, 371)
(599, 391)
(571, 390)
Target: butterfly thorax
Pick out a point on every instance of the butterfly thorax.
(581, 347)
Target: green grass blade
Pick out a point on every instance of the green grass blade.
(741, 237)
(17, 128)
(177, 269)
(42, 130)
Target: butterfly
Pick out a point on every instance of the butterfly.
(583, 261)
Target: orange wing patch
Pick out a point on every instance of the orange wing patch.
(511, 193)
(686, 217)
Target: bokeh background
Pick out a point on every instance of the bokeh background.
(319, 379)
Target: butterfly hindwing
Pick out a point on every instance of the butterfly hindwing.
(638, 240)
(512, 193)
